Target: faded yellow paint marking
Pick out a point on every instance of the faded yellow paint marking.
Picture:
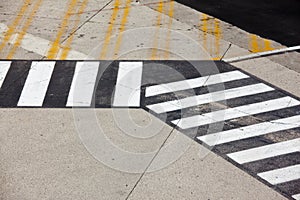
(218, 35)
(204, 29)
(122, 28)
(170, 14)
(67, 47)
(15, 23)
(24, 29)
(268, 45)
(160, 9)
(257, 44)
(253, 46)
(213, 28)
(54, 49)
(110, 29)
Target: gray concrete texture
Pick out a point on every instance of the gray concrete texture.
(42, 157)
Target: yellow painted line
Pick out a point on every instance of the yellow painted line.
(257, 44)
(204, 29)
(122, 28)
(160, 9)
(218, 35)
(110, 29)
(268, 45)
(15, 23)
(253, 43)
(53, 51)
(24, 29)
(170, 14)
(66, 48)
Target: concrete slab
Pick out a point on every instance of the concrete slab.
(52, 21)
(273, 73)
(150, 30)
(200, 174)
(42, 156)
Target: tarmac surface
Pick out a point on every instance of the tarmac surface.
(273, 19)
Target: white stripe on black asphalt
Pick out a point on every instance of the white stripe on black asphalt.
(250, 131)
(194, 83)
(83, 84)
(4, 67)
(232, 113)
(267, 151)
(281, 175)
(209, 97)
(36, 84)
(296, 196)
(128, 87)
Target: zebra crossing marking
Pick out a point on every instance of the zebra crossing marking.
(36, 84)
(281, 175)
(4, 67)
(209, 97)
(194, 83)
(296, 197)
(267, 151)
(83, 84)
(128, 87)
(232, 113)
(250, 131)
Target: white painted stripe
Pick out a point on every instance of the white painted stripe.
(282, 175)
(267, 151)
(251, 131)
(4, 67)
(128, 86)
(236, 112)
(83, 84)
(296, 196)
(36, 84)
(209, 97)
(194, 83)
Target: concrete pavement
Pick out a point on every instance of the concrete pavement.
(42, 157)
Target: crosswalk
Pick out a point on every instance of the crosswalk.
(244, 120)
(260, 126)
(70, 84)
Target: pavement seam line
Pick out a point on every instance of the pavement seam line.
(55, 47)
(67, 46)
(145, 171)
(89, 19)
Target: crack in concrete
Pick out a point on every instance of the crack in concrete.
(90, 18)
(145, 171)
(81, 25)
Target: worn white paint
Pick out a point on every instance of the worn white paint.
(36, 84)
